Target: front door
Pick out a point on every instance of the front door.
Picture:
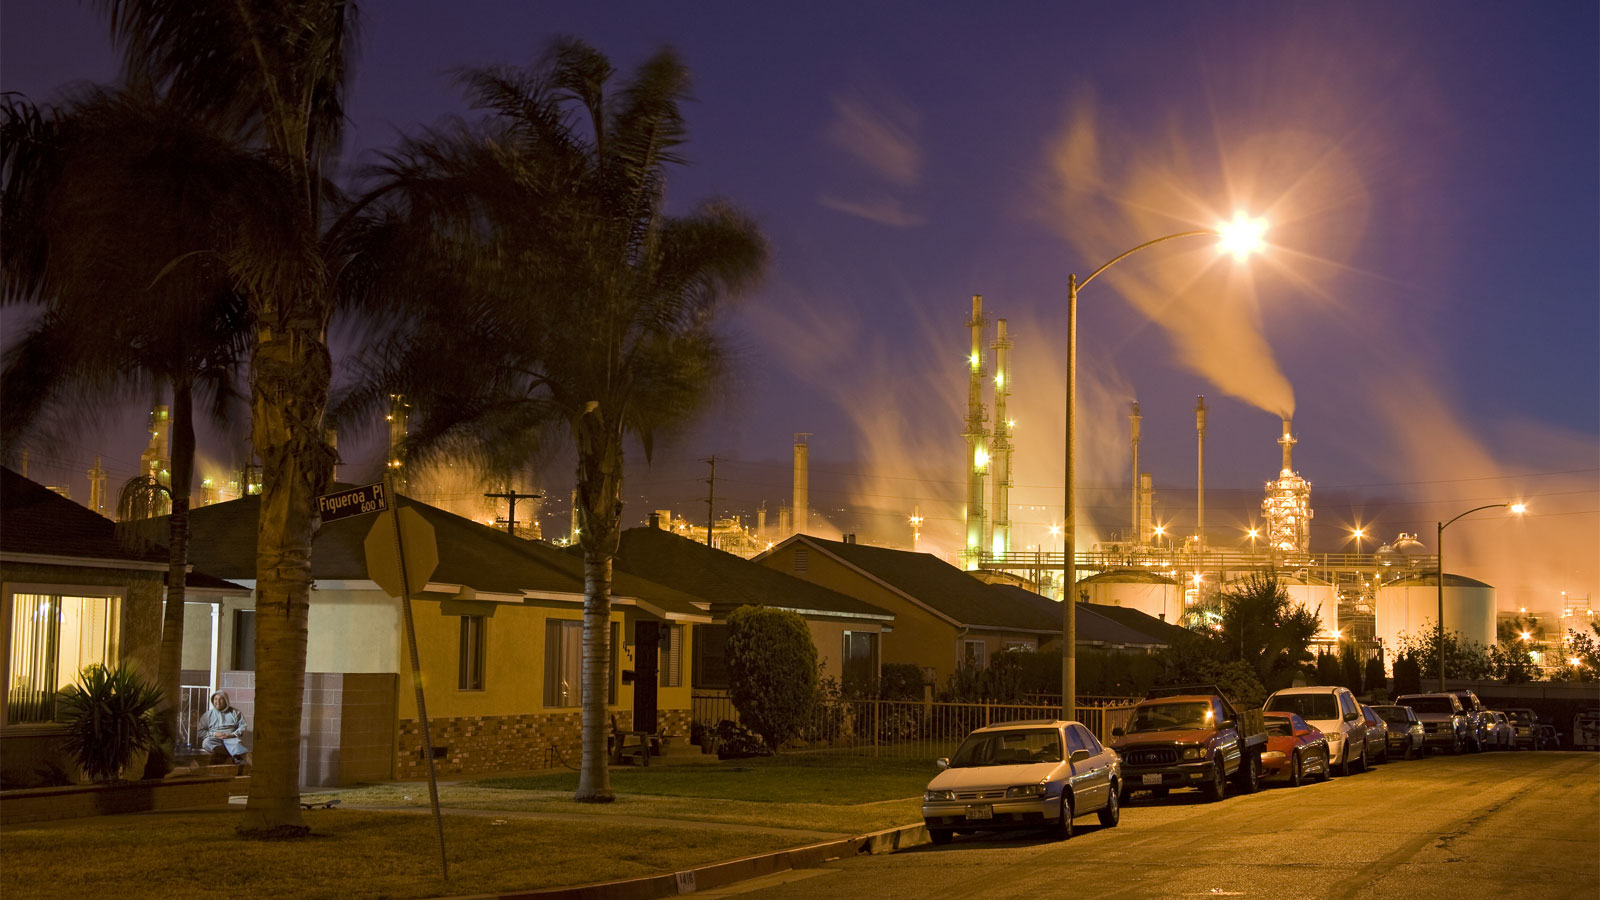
(646, 674)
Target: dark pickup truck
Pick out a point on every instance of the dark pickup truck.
(1190, 736)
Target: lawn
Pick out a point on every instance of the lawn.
(351, 854)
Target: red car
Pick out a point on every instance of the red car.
(1295, 750)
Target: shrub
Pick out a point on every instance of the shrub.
(1328, 672)
(734, 741)
(110, 715)
(900, 681)
(1377, 685)
(1407, 675)
(772, 671)
(1350, 669)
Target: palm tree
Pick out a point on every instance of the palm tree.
(276, 73)
(110, 203)
(535, 287)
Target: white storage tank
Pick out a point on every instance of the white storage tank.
(1149, 592)
(1308, 593)
(1410, 605)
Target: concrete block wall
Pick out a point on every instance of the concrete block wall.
(346, 724)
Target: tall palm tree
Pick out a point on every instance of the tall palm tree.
(536, 288)
(110, 205)
(274, 71)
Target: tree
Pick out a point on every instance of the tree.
(772, 671)
(1349, 669)
(1462, 658)
(112, 204)
(1407, 674)
(1264, 629)
(1580, 655)
(535, 286)
(1376, 684)
(1328, 670)
(276, 73)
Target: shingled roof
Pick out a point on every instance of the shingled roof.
(724, 580)
(1160, 631)
(944, 589)
(36, 521)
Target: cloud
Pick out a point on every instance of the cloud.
(884, 210)
(881, 135)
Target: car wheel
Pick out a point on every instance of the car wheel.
(1111, 814)
(1345, 770)
(1063, 828)
(1217, 787)
(1248, 778)
(1361, 761)
(1295, 778)
(939, 835)
(1327, 766)
(1455, 746)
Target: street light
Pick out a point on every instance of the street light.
(1358, 533)
(1241, 237)
(1439, 549)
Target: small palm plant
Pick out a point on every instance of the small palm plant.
(110, 715)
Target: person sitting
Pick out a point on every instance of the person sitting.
(223, 728)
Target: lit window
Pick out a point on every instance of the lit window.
(672, 656)
(53, 637)
(470, 673)
(563, 659)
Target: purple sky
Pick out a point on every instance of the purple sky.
(1430, 170)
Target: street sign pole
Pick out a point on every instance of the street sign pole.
(416, 672)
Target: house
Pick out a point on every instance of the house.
(73, 595)
(499, 635)
(942, 615)
(845, 630)
(1099, 628)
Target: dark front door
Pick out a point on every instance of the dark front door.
(647, 673)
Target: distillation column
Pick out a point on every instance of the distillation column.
(977, 441)
(1200, 473)
(1287, 507)
(802, 482)
(1136, 534)
(1000, 541)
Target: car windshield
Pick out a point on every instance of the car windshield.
(1308, 706)
(1519, 717)
(1008, 748)
(1392, 714)
(1171, 717)
(1430, 705)
(1280, 728)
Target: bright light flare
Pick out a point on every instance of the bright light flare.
(1242, 236)
(1518, 508)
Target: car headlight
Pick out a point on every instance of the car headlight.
(1335, 737)
(1026, 790)
(1194, 753)
(938, 795)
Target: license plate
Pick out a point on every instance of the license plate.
(984, 811)
(1152, 779)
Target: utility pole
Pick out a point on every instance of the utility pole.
(711, 499)
(511, 496)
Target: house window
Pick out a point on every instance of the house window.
(672, 656)
(860, 658)
(1022, 646)
(974, 654)
(563, 660)
(244, 640)
(53, 637)
(470, 674)
(710, 656)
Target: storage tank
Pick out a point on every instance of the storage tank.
(1410, 605)
(1149, 592)
(1307, 592)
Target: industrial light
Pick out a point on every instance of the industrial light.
(1526, 635)
(1519, 508)
(1242, 236)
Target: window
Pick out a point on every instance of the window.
(1021, 646)
(1087, 738)
(710, 656)
(563, 659)
(860, 658)
(470, 674)
(244, 640)
(1075, 741)
(974, 654)
(672, 656)
(53, 637)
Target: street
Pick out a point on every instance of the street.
(1478, 826)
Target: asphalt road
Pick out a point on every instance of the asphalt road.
(1477, 826)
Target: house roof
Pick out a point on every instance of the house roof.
(720, 578)
(942, 588)
(1093, 627)
(476, 558)
(1128, 576)
(36, 521)
(1159, 631)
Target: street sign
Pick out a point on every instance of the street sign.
(421, 549)
(368, 498)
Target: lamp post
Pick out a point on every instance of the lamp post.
(1240, 237)
(1439, 549)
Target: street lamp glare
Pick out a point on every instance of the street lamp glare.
(1242, 236)
(1518, 508)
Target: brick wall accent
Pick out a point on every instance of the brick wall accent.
(478, 745)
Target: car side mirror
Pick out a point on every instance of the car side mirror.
(1352, 717)
(1080, 755)
(942, 762)
(1118, 732)
(1228, 723)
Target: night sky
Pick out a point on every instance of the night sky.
(1428, 307)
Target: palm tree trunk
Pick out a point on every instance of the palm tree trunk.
(599, 513)
(169, 669)
(290, 371)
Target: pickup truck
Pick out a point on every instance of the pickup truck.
(1190, 736)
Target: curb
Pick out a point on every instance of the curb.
(712, 875)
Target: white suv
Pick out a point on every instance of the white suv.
(1334, 712)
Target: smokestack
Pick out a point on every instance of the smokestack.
(784, 522)
(977, 437)
(1200, 471)
(802, 479)
(1287, 442)
(761, 521)
(1000, 452)
(1137, 534)
(1147, 499)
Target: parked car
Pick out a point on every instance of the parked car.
(1405, 730)
(1549, 738)
(1295, 750)
(1526, 724)
(1377, 734)
(1190, 736)
(1502, 736)
(1334, 712)
(1444, 722)
(1033, 774)
(1477, 719)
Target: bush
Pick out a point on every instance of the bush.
(1350, 669)
(900, 681)
(734, 741)
(772, 671)
(1377, 685)
(1407, 675)
(110, 716)
(1328, 671)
